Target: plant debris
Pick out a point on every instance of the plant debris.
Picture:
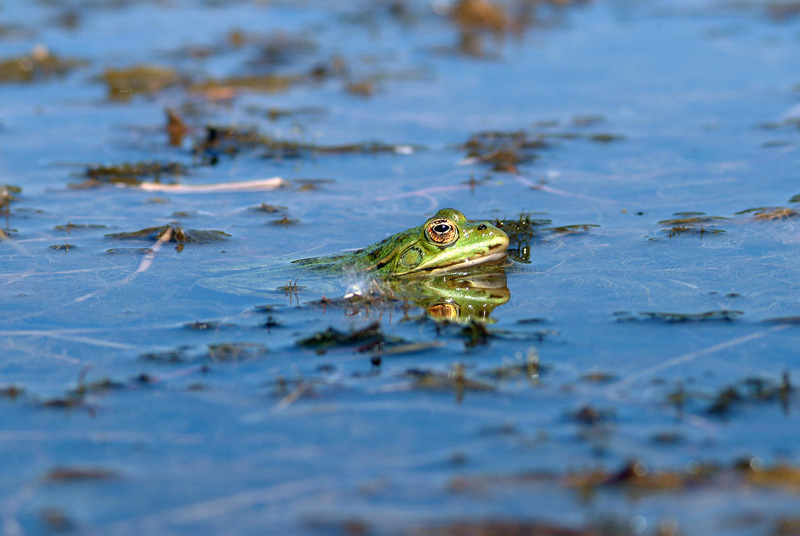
(369, 339)
(375, 298)
(723, 315)
(784, 320)
(65, 246)
(69, 227)
(590, 416)
(176, 355)
(693, 223)
(80, 474)
(782, 10)
(12, 392)
(440, 381)
(56, 520)
(230, 141)
(770, 213)
(236, 351)
(480, 15)
(213, 353)
(276, 114)
(122, 84)
(364, 88)
(8, 194)
(750, 390)
(277, 49)
(571, 229)
(638, 479)
(176, 128)
(598, 377)
(269, 209)
(529, 368)
(173, 233)
(257, 185)
(131, 174)
(587, 120)
(37, 66)
(497, 527)
(264, 83)
(605, 137)
(285, 221)
(521, 232)
(504, 150)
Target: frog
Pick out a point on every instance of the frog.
(446, 242)
(453, 268)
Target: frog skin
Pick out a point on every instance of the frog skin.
(446, 242)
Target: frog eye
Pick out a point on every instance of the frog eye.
(444, 311)
(441, 231)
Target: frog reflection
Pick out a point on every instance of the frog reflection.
(462, 298)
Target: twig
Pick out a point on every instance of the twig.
(221, 187)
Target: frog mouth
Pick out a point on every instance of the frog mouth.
(477, 260)
(466, 263)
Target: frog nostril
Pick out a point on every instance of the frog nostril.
(481, 227)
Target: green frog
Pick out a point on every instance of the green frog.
(449, 266)
(446, 242)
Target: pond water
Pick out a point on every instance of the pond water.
(634, 377)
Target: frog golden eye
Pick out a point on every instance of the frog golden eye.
(444, 311)
(441, 231)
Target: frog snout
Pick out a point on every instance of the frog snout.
(493, 233)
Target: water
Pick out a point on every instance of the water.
(292, 441)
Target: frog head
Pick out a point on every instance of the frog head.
(446, 242)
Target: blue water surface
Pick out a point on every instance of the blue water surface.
(700, 104)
